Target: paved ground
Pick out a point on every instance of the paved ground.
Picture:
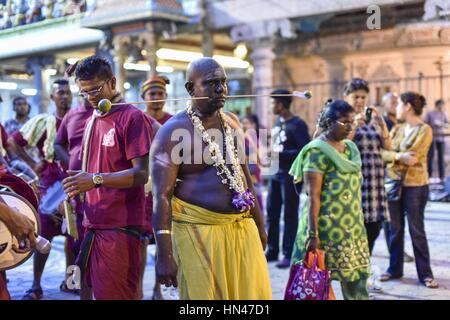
(437, 221)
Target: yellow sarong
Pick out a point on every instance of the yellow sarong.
(219, 256)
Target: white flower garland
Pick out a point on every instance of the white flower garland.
(234, 180)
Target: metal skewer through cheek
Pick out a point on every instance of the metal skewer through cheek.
(105, 105)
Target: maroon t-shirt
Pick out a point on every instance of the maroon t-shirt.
(4, 142)
(149, 197)
(51, 171)
(150, 118)
(4, 294)
(70, 133)
(118, 137)
(164, 119)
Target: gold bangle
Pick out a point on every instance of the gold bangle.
(158, 232)
(313, 234)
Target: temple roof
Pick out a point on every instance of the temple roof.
(110, 13)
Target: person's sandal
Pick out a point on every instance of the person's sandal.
(407, 258)
(386, 277)
(63, 288)
(431, 283)
(157, 295)
(33, 294)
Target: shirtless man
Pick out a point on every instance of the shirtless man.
(215, 244)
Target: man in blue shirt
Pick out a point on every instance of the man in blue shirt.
(289, 135)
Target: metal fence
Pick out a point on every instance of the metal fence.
(432, 87)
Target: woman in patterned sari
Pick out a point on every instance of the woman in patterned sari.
(332, 219)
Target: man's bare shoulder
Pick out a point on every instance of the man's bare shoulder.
(179, 121)
(233, 119)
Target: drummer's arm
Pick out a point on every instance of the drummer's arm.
(3, 161)
(17, 151)
(4, 145)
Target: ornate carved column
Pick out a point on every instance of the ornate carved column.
(262, 59)
(150, 38)
(5, 105)
(120, 55)
(260, 36)
(207, 35)
(337, 72)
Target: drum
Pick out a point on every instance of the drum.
(23, 171)
(52, 199)
(8, 257)
(13, 183)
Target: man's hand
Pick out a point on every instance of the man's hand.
(38, 167)
(78, 182)
(20, 226)
(263, 236)
(166, 270)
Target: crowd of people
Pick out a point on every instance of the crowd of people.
(137, 177)
(14, 13)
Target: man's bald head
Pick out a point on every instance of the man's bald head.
(207, 78)
(200, 67)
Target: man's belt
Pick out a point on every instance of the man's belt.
(86, 245)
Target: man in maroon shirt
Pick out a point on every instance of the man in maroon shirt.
(148, 229)
(155, 89)
(115, 168)
(68, 151)
(3, 145)
(3, 142)
(41, 131)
